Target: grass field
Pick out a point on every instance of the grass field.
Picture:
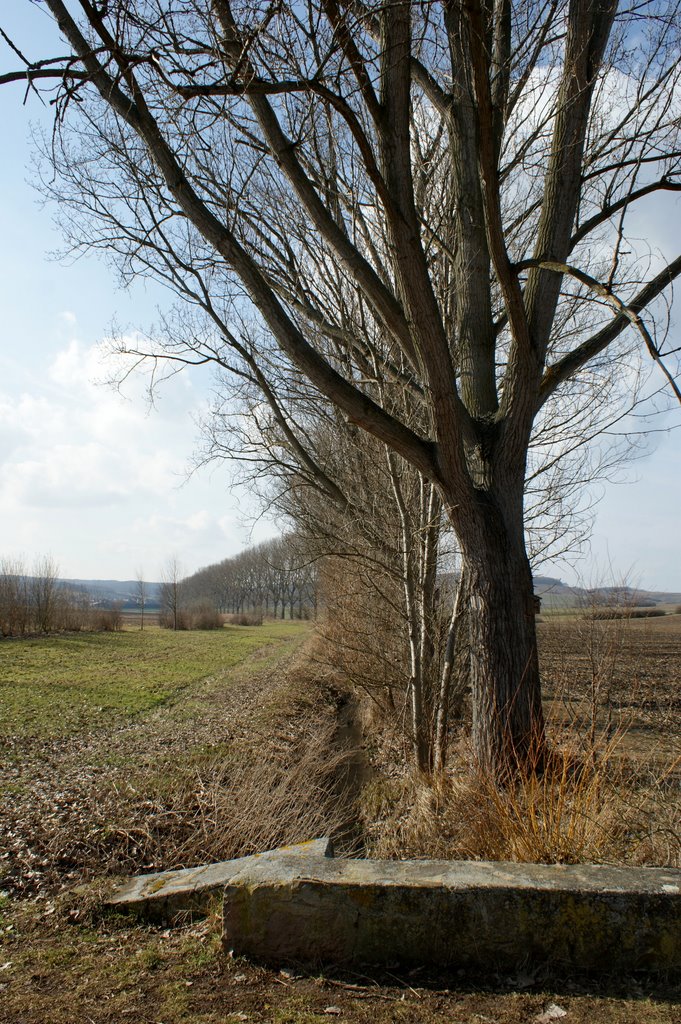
(59, 686)
(143, 750)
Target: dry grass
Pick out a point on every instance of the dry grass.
(284, 781)
(241, 760)
(595, 815)
(610, 792)
(119, 972)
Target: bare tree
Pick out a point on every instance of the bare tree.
(172, 595)
(43, 593)
(141, 594)
(468, 168)
(354, 499)
(15, 611)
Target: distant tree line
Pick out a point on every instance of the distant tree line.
(37, 601)
(278, 578)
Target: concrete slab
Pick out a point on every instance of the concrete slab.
(299, 904)
(164, 894)
(482, 916)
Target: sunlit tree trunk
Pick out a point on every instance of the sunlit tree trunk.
(508, 722)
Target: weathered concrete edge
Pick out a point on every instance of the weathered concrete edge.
(164, 894)
(478, 916)
(292, 864)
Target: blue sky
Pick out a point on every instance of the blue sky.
(94, 479)
(98, 480)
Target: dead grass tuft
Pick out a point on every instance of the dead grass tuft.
(559, 816)
(285, 782)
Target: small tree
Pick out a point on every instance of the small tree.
(14, 598)
(140, 594)
(172, 595)
(43, 591)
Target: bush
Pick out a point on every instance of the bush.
(170, 620)
(199, 615)
(108, 620)
(603, 614)
(204, 615)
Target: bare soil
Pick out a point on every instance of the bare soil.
(624, 675)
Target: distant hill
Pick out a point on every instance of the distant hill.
(556, 594)
(126, 591)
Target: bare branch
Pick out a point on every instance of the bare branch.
(569, 365)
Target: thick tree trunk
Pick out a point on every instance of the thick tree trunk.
(508, 721)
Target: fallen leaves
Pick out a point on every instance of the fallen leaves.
(77, 807)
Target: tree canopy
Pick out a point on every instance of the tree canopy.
(420, 209)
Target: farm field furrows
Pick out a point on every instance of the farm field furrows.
(626, 673)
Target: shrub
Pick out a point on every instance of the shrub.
(108, 620)
(173, 620)
(199, 615)
(204, 615)
(603, 614)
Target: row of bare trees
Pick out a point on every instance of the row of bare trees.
(277, 578)
(34, 600)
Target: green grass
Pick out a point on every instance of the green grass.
(54, 687)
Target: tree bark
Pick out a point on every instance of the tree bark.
(508, 723)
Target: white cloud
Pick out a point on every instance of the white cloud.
(64, 476)
(98, 479)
